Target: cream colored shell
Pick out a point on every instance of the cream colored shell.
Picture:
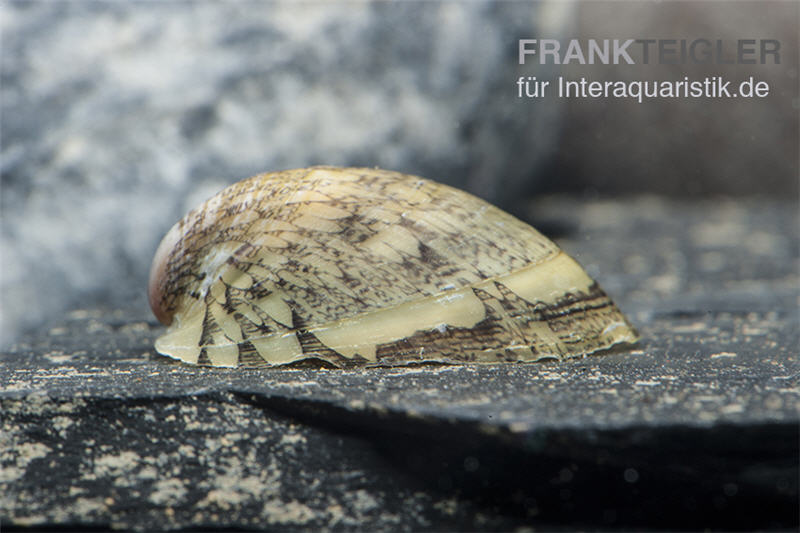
(359, 266)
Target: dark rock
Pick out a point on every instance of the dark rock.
(694, 428)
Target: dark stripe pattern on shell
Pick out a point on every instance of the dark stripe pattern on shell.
(366, 267)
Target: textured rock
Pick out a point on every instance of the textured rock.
(694, 428)
(118, 118)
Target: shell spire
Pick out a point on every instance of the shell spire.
(358, 266)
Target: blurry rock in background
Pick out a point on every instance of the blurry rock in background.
(118, 118)
(679, 146)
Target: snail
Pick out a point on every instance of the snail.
(367, 267)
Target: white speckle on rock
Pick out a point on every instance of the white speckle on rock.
(116, 464)
(364, 501)
(694, 327)
(185, 450)
(168, 492)
(292, 439)
(335, 514)
(10, 473)
(88, 506)
(61, 424)
(292, 512)
(732, 409)
(233, 490)
(25, 453)
(148, 472)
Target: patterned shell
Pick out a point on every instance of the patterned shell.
(359, 266)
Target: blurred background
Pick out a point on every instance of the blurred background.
(116, 119)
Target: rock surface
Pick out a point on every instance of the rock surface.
(695, 427)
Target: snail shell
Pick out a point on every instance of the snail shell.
(359, 266)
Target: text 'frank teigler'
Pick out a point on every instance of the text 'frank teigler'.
(647, 52)
(650, 51)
